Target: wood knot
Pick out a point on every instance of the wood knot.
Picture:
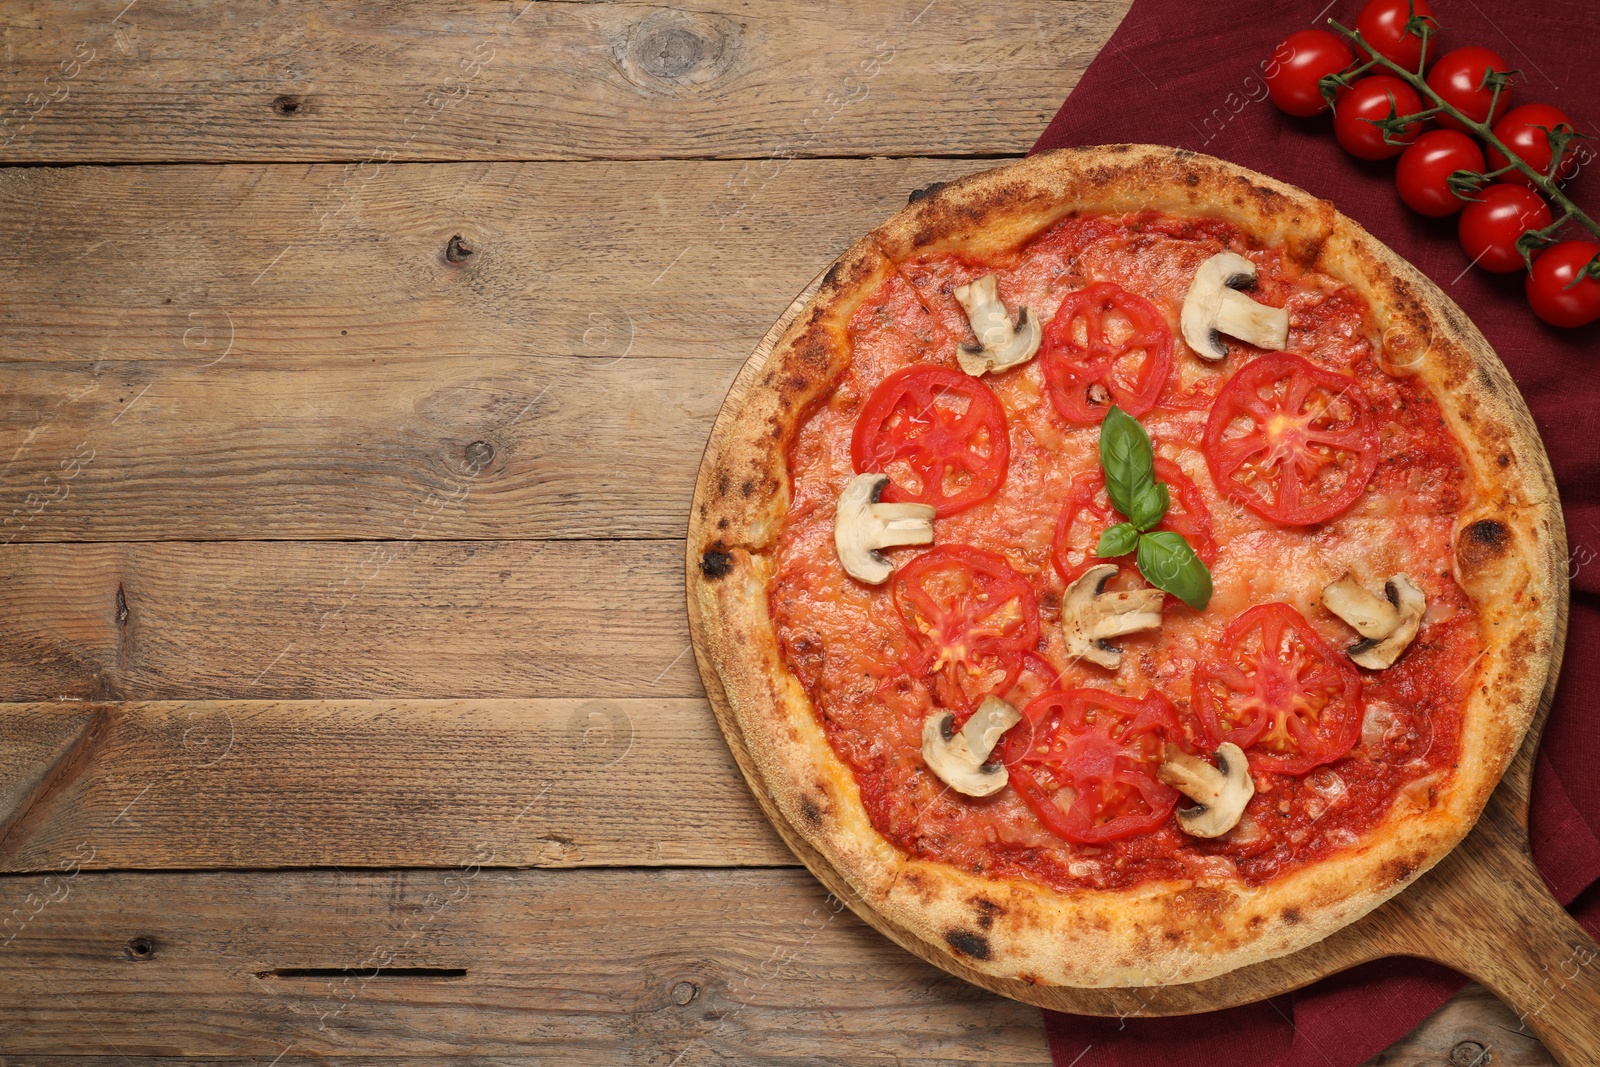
(479, 454)
(457, 250)
(1469, 1054)
(287, 105)
(678, 49)
(684, 992)
(139, 948)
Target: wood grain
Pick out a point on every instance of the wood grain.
(585, 967)
(1472, 1029)
(303, 620)
(197, 353)
(257, 784)
(186, 80)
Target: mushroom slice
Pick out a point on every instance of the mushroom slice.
(1386, 624)
(861, 526)
(1089, 615)
(1219, 791)
(1215, 306)
(1001, 345)
(960, 759)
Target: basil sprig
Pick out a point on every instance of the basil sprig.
(1164, 557)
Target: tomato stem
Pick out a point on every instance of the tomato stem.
(1558, 138)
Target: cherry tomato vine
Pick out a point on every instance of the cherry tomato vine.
(1529, 147)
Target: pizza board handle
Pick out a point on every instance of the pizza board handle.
(1490, 916)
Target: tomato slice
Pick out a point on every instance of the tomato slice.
(939, 434)
(1105, 346)
(1085, 762)
(1089, 513)
(1279, 691)
(971, 620)
(1290, 441)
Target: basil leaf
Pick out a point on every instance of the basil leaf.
(1150, 502)
(1127, 457)
(1168, 563)
(1118, 540)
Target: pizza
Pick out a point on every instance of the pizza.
(1125, 569)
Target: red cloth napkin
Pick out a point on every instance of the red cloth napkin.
(1183, 73)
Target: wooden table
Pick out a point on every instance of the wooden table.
(346, 447)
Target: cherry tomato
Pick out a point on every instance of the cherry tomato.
(1105, 346)
(1279, 691)
(1383, 24)
(1085, 762)
(1491, 224)
(1089, 513)
(1371, 100)
(1291, 441)
(970, 618)
(1458, 78)
(939, 434)
(1550, 288)
(1423, 173)
(1299, 64)
(1521, 131)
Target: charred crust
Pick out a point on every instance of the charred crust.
(968, 943)
(724, 483)
(926, 190)
(1291, 916)
(1503, 459)
(747, 488)
(986, 911)
(715, 563)
(833, 273)
(1397, 872)
(1482, 543)
(810, 814)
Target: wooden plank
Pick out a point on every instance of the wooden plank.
(561, 783)
(187, 80)
(193, 355)
(590, 967)
(1472, 1029)
(305, 620)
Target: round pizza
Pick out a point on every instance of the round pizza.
(1125, 569)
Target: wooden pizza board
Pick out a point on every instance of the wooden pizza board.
(1483, 910)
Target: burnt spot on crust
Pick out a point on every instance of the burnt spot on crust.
(810, 814)
(968, 943)
(916, 883)
(747, 488)
(722, 523)
(1255, 921)
(723, 483)
(817, 353)
(926, 190)
(1191, 178)
(1482, 543)
(715, 563)
(1503, 459)
(1291, 916)
(833, 273)
(987, 911)
(1396, 872)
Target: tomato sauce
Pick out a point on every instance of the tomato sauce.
(847, 644)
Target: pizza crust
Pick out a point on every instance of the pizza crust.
(1510, 551)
